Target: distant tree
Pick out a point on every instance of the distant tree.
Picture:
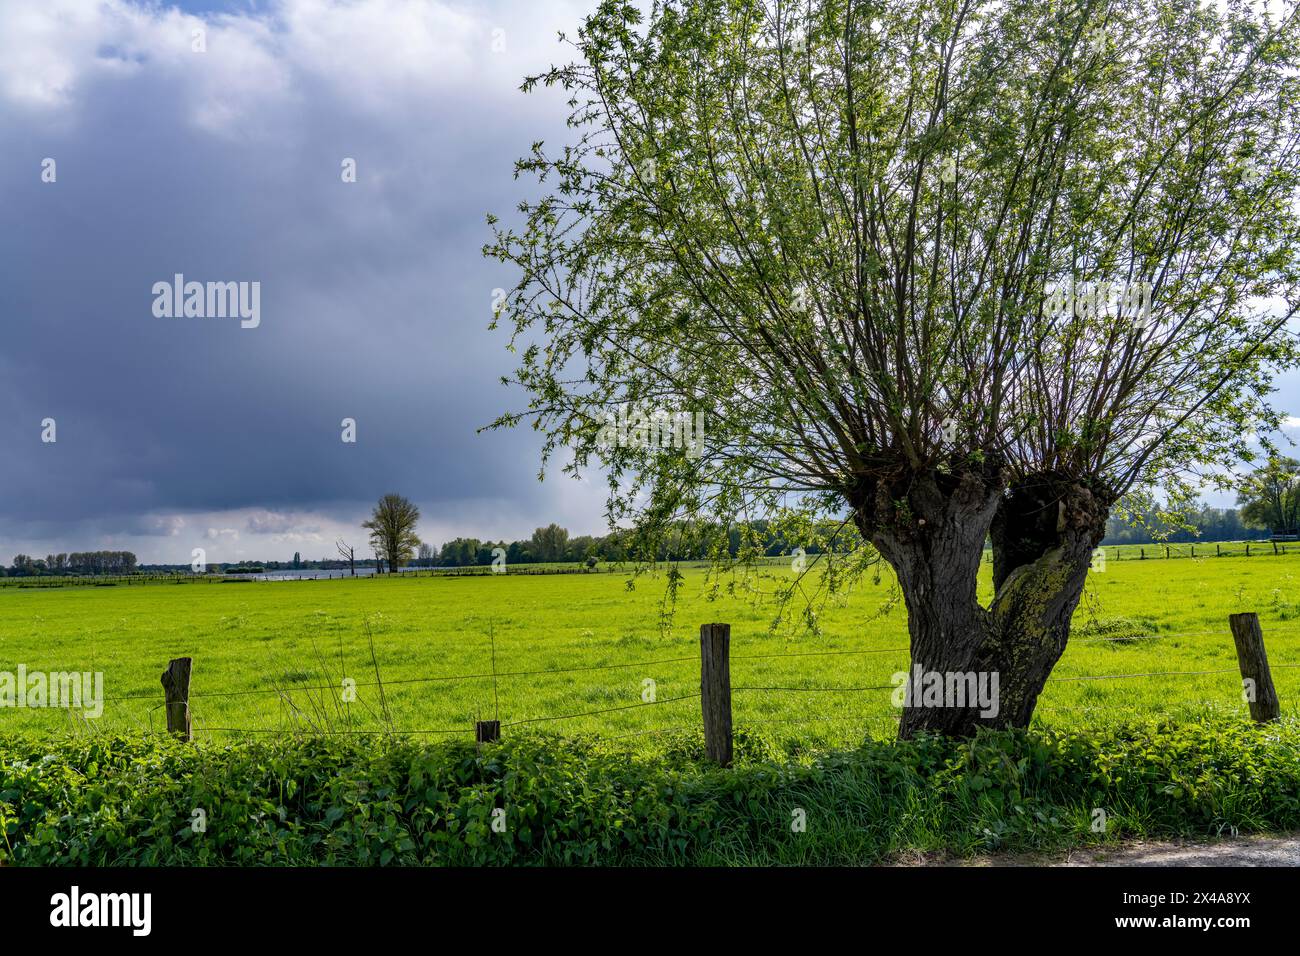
(580, 547)
(101, 562)
(426, 555)
(392, 530)
(549, 543)
(348, 554)
(1271, 497)
(297, 560)
(460, 552)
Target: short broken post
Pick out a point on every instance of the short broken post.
(176, 688)
(715, 691)
(1256, 679)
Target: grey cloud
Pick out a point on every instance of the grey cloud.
(374, 296)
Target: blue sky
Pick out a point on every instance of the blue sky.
(225, 165)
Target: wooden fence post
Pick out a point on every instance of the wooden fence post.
(1256, 679)
(715, 690)
(487, 731)
(176, 688)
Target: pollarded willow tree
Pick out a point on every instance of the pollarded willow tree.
(959, 271)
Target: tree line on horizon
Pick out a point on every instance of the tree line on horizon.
(554, 544)
(78, 562)
(1272, 504)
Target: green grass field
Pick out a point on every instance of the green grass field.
(258, 648)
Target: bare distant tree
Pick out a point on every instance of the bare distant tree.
(348, 554)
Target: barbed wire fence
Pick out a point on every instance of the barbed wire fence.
(715, 716)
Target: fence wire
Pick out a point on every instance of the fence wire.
(307, 728)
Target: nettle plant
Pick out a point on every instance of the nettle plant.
(950, 271)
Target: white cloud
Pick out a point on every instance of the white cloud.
(168, 526)
(380, 49)
(370, 56)
(53, 54)
(279, 523)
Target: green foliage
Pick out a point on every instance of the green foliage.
(863, 239)
(1117, 629)
(130, 800)
(1272, 496)
(392, 530)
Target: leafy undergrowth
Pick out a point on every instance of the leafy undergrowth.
(551, 800)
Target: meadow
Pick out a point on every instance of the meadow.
(573, 653)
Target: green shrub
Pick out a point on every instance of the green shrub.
(131, 800)
(1120, 630)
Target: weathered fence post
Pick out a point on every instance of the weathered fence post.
(1256, 679)
(487, 731)
(715, 690)
(176, 689)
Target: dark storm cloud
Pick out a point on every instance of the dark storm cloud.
(225, 166)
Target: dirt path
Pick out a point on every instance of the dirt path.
(1240, 851)
(1235, 851)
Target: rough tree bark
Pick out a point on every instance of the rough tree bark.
(931, 528)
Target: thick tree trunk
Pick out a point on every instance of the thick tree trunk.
(974, 666)
(931, 528)
(1043, 534)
